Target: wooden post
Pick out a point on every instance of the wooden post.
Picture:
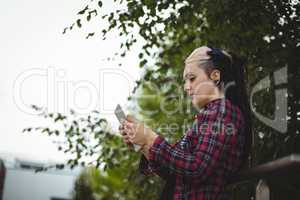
(2, 178)
(262, 191)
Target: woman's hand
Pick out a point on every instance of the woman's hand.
(125, 136)
(134, 132)
(137, 132)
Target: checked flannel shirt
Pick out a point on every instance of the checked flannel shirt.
(198, 165)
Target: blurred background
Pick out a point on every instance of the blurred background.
(65, 65)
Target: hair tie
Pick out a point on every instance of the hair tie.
(220, 58)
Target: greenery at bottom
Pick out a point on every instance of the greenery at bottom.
(92, 184)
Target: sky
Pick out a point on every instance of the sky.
(42, 66)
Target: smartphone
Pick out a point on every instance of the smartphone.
(120, 114)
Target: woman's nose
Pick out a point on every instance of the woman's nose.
(187, 88)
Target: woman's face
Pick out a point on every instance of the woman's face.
(198, 86)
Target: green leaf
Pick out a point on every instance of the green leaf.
(88, 18)
(78, 23)
(83, 11)
(143, 63)
(141, 55)
(100, 4)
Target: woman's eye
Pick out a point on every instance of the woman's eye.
(190, 79)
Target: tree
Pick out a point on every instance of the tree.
(88, 141)
(264, 32)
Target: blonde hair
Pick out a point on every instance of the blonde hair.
(198, 55)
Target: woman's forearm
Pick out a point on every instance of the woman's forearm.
(149, 142)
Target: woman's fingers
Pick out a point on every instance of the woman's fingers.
(126, 127)
(126, 139)
(121, 127)
(128, 131)
(129, 128)
(122, 130)
(130, 118)
(128, 124)
(125, 130)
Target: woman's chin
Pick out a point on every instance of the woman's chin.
(197, 104)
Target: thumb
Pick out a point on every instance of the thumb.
(130, 118)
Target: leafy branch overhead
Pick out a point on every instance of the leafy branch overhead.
(171, 29)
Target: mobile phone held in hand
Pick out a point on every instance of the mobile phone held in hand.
(120, 114)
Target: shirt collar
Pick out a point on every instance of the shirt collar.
(213, 102)
(210, 105)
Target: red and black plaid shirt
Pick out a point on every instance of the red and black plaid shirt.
(198, 165)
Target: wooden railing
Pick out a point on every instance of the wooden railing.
(284, 170)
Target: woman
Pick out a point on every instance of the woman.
(199, 164)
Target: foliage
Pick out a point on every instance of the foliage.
(93, 184)
(81, 137)
(264, 32)
(89, 142)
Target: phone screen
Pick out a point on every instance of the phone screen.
(120, 113)
(121, 117)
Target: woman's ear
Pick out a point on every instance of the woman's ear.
(215, 75)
